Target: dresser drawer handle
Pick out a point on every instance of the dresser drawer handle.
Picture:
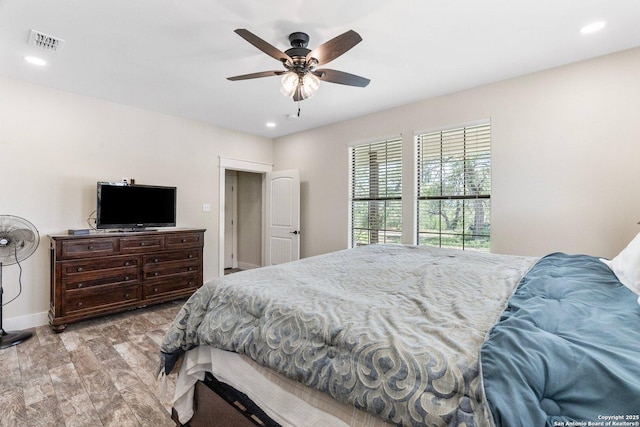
(80, 285)
(126, 264)
(190, 256)
(80, 269)
(79, 304)
(184, 240)
(190, 282)
(126, 296)
(126, 278)
(190, 268)
(155, 290)
(90, 247)
(142, 243)
(156, 273)
(155, 260)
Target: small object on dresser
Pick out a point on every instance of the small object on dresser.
(79, 232)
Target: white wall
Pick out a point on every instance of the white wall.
(55, 146)
(565, 150)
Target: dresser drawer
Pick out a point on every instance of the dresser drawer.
(85, 248)
(180, 256)
(185, 240)
(183, 284)
(90, 299)
(171, 269)
(122, 276)
(70, 268)
(141, 244)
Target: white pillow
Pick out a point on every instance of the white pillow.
(626, 265)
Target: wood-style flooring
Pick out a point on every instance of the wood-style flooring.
(100, 372)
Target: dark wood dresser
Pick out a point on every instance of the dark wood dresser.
(103, 273)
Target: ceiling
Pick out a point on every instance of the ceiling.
(173, 56)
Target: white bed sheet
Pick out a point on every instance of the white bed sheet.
(286, 401)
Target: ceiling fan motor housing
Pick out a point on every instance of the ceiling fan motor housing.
(299, 39)
(298, 51)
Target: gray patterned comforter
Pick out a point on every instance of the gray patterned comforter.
(394, 330)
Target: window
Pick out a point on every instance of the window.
(454, 187)
(376, 193)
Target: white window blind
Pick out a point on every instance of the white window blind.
(376, 193)
(454, 187)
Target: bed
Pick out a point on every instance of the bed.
(410, 335)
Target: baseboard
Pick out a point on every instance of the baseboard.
(25, 322)
(247, 266)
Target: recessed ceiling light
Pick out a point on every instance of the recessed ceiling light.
(593, 27)
(35, 60)
(271, 124)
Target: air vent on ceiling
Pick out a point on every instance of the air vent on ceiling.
(45, 41)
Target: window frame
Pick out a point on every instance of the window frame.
(484, 147)
(380, 197)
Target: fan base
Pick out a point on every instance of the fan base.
(11, 338)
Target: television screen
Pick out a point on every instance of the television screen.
(135, 206)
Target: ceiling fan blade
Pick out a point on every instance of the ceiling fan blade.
(257, 75)
(335, 47)
(340, 77)
(267, 48)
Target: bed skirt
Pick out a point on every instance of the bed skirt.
(271, 397)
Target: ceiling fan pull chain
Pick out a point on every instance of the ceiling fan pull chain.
(298, 108)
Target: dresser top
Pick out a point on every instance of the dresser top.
(120, 233)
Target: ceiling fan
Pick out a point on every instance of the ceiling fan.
(301, 76)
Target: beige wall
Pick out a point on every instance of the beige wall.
(565, 149)
(55, 146)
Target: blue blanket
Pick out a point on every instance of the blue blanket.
(567, 349)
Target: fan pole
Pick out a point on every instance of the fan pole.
(7, 339)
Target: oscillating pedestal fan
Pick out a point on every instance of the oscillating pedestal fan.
(19, 239)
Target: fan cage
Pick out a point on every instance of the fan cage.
(19, 239)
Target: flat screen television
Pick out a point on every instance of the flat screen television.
(135, 206)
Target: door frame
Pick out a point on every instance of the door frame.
(231, 230)
(243, 166)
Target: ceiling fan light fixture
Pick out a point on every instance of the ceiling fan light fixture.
(309, 85)
(290, 83)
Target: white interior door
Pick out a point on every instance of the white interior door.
(282, 217)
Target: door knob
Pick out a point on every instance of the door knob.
(294, 232)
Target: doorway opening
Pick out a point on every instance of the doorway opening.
(243, 221)
(234, 166)
(279, 217)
